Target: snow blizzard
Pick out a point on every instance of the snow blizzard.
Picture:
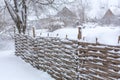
(14, 68)
(105, 34)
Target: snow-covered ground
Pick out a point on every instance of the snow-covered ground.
(106, 35)
(14, 68)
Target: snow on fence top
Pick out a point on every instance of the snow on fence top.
(70, 59)
(103, 35)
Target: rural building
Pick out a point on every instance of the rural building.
(67, 16)
(110, 18)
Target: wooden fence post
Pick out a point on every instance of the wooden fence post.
(33, 31)
(28, 31)
(79, 33)
(118, 39)
(48, 35)
(66, 36)
(83, 38)
(57, 35)
(40, 34)
(77, 62)
(96, 40)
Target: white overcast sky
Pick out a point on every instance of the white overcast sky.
(95, 2)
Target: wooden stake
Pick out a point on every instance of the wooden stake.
(83, 38)
(118, 39)
(48, 34)
(28, 31)
(57, 35)
(33, 31)
(66, 36)
(79, 33)
(40, 33)
(96, 40)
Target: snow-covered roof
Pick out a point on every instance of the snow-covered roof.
(111, 12)
(115, 10)
(65, 12)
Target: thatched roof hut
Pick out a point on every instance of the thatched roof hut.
(67, 16)
(109, 18)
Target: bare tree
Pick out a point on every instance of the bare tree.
(18, 11)
(82, 7)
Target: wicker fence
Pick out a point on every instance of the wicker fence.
(70, 59)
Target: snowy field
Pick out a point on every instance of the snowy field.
(14, 68)
(106, 35)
